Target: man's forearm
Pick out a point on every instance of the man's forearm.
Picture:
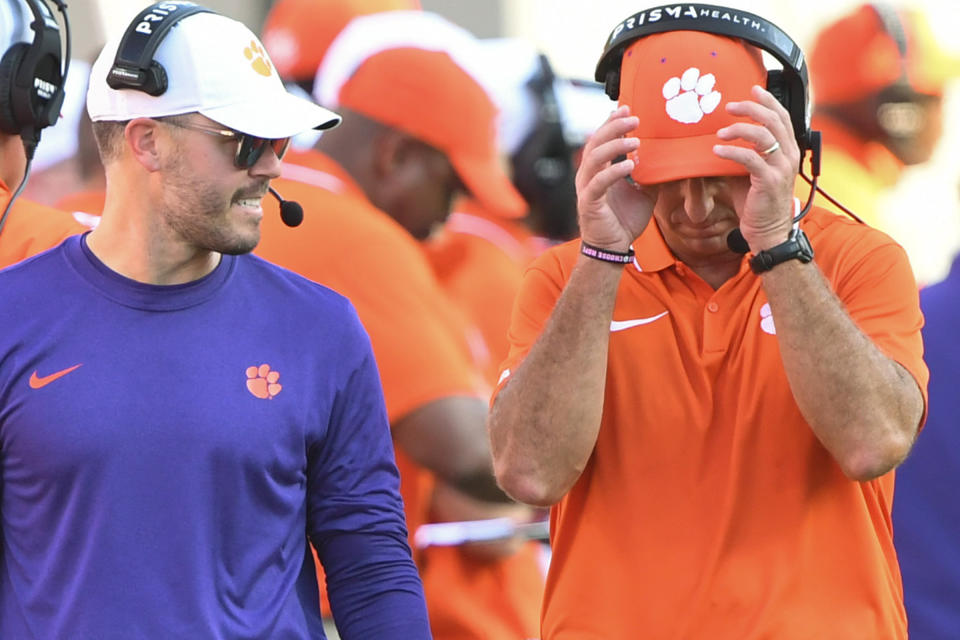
(864, 407)
(544, 423)
(374, 588)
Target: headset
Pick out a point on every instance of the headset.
(135, 68)
(542, 165)
(32, 76)
(32, 79)
(789, 85)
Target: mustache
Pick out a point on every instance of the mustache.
(258, 190)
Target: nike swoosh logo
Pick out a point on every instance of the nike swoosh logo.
(620, 325)
(37, 382)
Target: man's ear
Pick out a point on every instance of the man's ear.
(142, 136)
(391, 151)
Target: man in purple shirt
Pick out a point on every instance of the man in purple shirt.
(179, 418)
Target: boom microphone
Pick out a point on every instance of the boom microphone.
(290, 212)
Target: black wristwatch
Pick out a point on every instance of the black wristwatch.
(797, 247)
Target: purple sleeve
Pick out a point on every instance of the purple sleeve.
(355, 513)
(380, 598)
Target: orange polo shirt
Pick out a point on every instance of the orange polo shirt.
(31, 228)
(479, 259)
(708, 508)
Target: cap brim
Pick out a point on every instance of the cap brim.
(276, 116)
(666, 159)
(487, 182)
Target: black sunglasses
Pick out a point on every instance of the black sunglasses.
(249, 148)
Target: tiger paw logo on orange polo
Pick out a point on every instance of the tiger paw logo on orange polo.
(258, 57)
(262, 382)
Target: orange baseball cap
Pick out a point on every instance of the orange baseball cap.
(420, 74)
(678, 83)
(297, 33)
(859, 55)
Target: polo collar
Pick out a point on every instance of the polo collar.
(651, 252)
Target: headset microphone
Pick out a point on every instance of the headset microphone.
(290, 212)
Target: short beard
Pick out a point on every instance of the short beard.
(194, 210)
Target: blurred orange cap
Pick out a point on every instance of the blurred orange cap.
(858, 55)
(678, 83)
(297, 33)
(420, 74)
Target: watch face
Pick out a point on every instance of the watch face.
(796, 247)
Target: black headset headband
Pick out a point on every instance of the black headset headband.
(134, 66)
(37, 93)
(721, 21)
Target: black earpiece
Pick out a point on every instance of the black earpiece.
(32, 77)
(134, 66)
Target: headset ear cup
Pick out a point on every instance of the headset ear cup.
(777, 85)
(612, 84)
(8, 70)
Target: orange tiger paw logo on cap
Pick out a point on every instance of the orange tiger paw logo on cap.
(259, 62)
(262, 382)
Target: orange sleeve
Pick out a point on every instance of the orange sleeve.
(880, 294)
(540, 289)
(32, 228)
(483, 281)
(418, 338)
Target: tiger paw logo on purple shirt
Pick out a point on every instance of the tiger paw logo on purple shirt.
(262, 382)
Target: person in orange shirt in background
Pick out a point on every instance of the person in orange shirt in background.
(714, 431)
(26, 228)
(298, 33)
(418, 128)
(480, 254)
(878, 76)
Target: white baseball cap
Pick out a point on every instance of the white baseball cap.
(217, 67)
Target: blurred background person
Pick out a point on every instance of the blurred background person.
(878, 76)
(480, 254)
(419, 127)
(26, 228)
(298, 33)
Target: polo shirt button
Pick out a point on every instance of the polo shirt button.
(713, 307)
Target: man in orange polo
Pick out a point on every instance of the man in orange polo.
(715, 432)
(418, 128)
(26, 228)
